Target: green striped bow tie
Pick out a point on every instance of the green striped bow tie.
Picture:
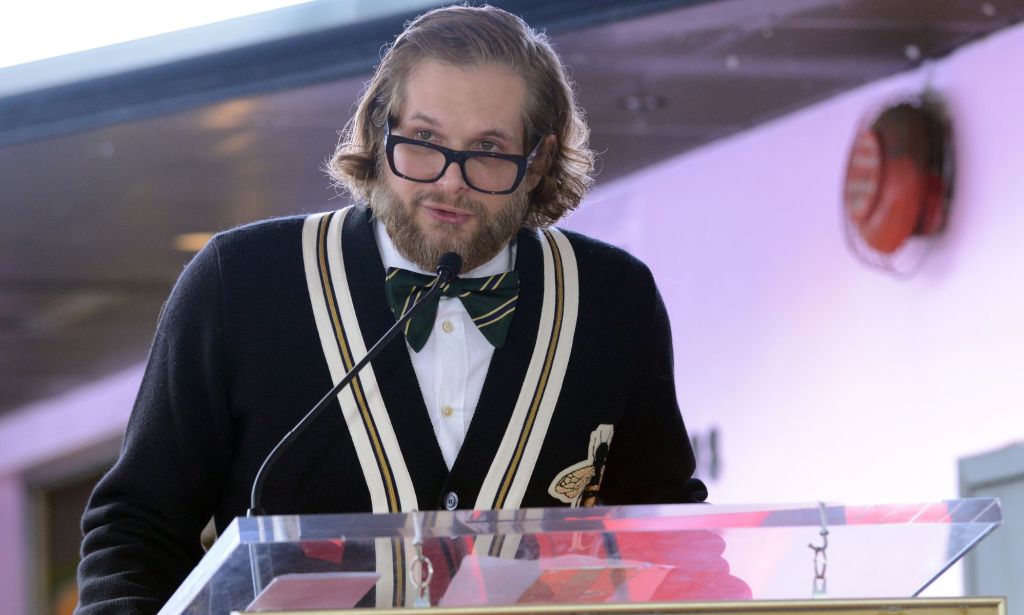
(489, 301)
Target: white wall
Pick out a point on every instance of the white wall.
(829, 380)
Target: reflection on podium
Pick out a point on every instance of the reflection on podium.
(676, 558)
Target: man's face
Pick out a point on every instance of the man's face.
(461, 108)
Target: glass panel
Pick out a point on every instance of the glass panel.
(602, 554)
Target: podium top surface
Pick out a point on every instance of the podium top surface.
(663, 553)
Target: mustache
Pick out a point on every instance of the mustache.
(463, 202)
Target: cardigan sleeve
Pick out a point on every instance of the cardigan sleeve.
(651, 460)
(143, 520)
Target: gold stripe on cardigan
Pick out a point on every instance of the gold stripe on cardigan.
(513, 465)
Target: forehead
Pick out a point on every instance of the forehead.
(469, 99)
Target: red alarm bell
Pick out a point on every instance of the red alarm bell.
(898, 180)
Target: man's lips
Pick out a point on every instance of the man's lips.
(448, 215)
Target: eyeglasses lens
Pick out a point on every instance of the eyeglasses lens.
(483, 172)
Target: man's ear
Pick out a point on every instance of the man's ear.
(542, 163)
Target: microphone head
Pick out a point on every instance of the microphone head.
(449, 265)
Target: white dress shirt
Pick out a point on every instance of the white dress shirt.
(452, 365)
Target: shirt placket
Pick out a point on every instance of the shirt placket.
(450, 327)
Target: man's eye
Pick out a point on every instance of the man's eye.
(424, 135)
(488, 146)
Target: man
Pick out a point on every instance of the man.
(545, 378)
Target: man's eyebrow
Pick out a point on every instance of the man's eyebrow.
(491, 132)
(424, 118)
(494, 132)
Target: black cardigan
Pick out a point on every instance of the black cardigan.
(236, 361)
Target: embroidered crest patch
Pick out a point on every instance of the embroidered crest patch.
(578, 484)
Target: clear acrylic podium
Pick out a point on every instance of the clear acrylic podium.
(604, 559)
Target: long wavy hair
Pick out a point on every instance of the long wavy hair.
(476, 36)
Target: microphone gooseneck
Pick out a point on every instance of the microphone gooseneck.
(448, 267)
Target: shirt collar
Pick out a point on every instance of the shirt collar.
(503, 261)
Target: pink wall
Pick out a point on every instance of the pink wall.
(829, 380)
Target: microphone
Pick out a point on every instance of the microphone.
(448, 267)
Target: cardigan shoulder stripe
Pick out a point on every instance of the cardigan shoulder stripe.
(380, 458)
(513, 466)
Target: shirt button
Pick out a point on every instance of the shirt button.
(451, 501)
(448, 326)
(447, 410)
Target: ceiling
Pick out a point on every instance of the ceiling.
(98, 180)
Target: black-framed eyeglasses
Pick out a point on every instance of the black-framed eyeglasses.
(425, 162)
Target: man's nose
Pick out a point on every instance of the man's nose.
(452, 180)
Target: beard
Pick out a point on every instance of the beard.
(493, 232)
